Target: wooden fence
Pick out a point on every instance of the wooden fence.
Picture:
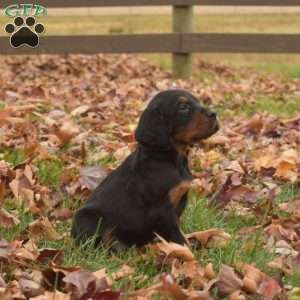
(181, 43)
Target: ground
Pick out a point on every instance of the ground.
(67, 121)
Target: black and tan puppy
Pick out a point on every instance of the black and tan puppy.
(147, 193)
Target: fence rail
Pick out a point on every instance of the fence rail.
(162, 43)
(181, 43)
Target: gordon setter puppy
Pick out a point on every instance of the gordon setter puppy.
(147, 193)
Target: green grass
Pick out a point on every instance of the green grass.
(281, 107)
(49, 172)
(14, 157)
(278, 107)
(198, 216)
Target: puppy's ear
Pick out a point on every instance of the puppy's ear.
(152, 130)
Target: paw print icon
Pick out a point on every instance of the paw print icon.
(24, 32)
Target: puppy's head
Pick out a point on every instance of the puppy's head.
(175, 117)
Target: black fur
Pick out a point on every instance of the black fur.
(132, 203)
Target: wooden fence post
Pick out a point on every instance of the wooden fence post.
(182, 23)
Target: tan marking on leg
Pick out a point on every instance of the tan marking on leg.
(176, 193)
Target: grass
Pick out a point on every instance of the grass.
(198, 216)
(284, 108)
(14, 157)
(278, 107)
(49, 172)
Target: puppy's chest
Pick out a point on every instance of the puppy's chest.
(180, 188)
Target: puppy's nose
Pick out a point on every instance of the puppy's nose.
(211, 114)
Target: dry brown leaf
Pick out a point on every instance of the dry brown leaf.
(125, 271)
(253, 277)
(57, 295)
(281, 263)
(269, 289)
(42, 229)
(217, 140)
(255, 124)
(7, 220)
(228, 281)
(171, 289)
(65, 132)
(12, 291)
(2, 191)
(47, 255)
(190, 272)
(211, 238)
(26, 252)
(237, 295)
(90, 177)
(30, 288)
(286, 165)
(83, 283)
(82, 109)
(62, 213)
(102, 273)
(236, 167)
(252, 272)
(171, 249)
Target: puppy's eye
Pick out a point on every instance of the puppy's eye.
(184, 108)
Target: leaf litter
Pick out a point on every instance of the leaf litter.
(81, 111)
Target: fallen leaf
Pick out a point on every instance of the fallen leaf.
(269, 289)
(228, 281)
(125, 271)
(90, 177)
(57, 295)
(30, 288)
(7, 220)
(211, 238)
(42, 229)
(83, 283)
(171, 249)
(47, 255)
(80, 110)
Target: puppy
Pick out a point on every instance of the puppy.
(147, 193)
